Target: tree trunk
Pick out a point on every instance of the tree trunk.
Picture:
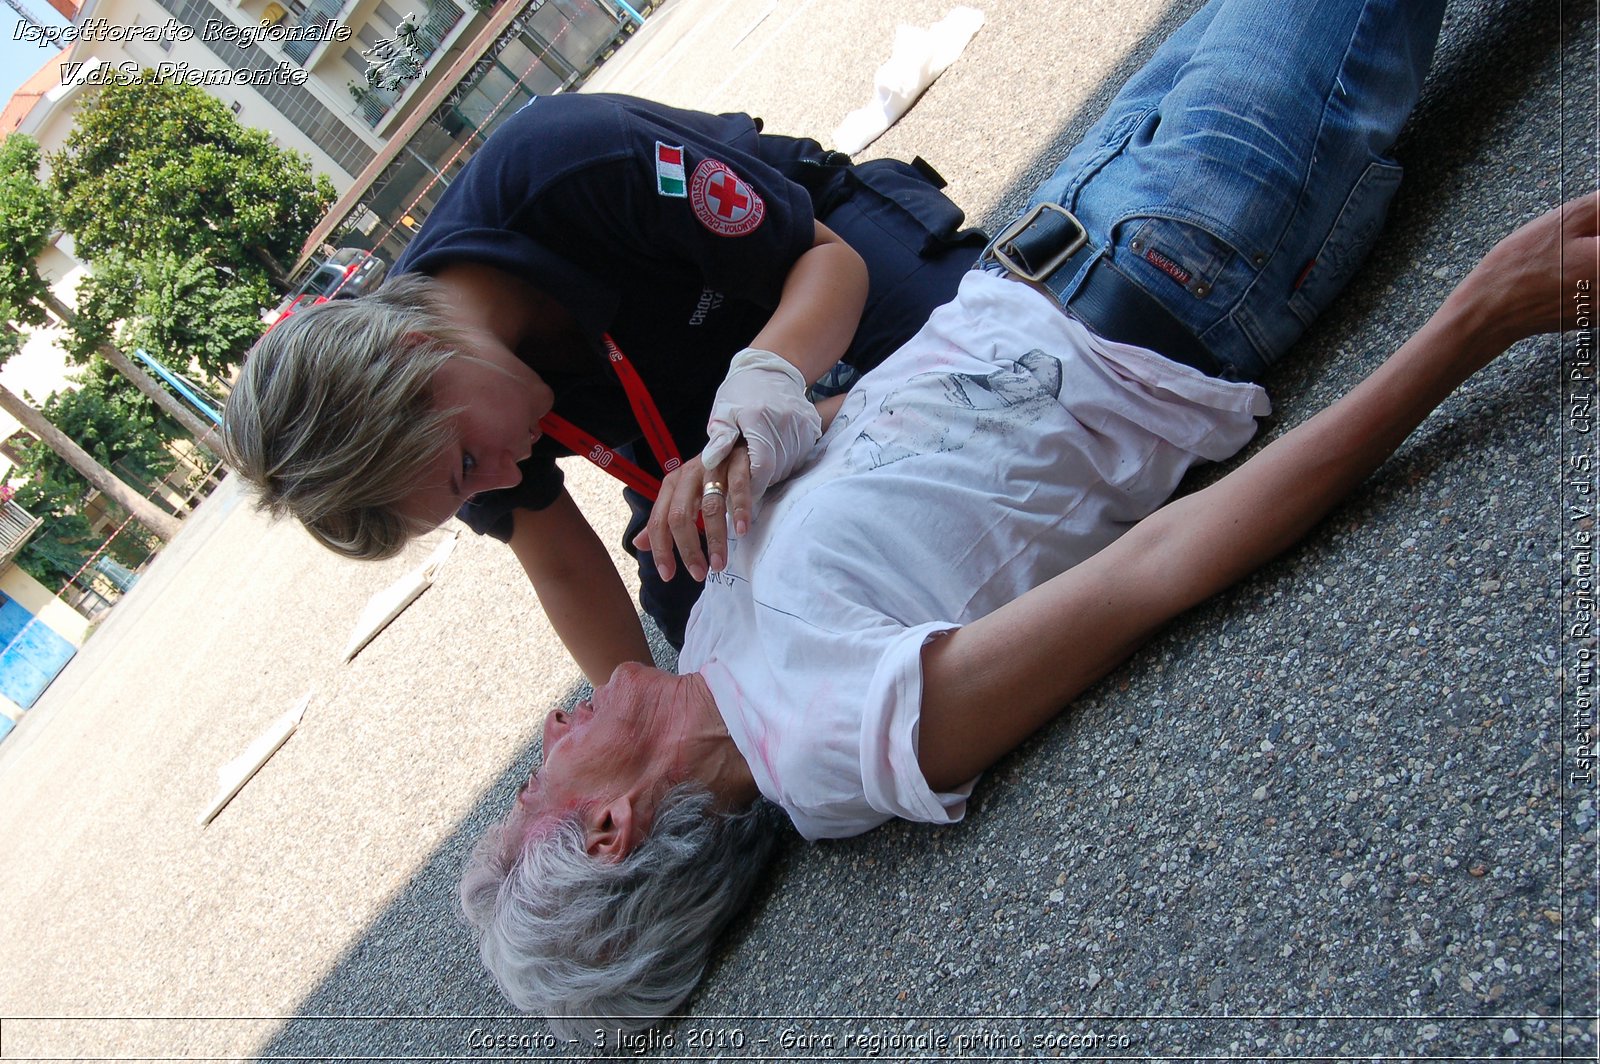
(148, 513)
(192, 423)
(165, 400)
(274, 271)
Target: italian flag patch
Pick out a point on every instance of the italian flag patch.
(670, 179)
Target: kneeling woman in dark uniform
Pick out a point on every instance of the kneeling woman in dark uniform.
(583, 287)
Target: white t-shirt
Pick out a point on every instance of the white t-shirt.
(1002, 445)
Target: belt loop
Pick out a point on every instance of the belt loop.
(1069, 278)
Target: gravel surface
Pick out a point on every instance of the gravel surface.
(1343, 811)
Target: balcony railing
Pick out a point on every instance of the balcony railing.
(16, 527)
(317, 13)
(374, 102)
(441, 19)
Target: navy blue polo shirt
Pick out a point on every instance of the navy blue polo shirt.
(671, 230)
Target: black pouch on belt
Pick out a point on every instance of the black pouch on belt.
(904, 198)
(907, 199)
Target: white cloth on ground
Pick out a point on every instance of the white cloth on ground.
(919, 57)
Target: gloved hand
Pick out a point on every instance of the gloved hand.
(764, 400)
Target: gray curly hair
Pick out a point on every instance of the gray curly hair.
(331, 419)
(572, 937)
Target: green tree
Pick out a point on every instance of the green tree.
(27, 217)
(117, 426)
(170, 305)
(154, 167)
(26, 223)
(111, 421)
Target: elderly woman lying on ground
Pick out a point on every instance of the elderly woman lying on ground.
(851, 684)
(976, 539)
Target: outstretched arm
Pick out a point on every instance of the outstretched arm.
(991, 684)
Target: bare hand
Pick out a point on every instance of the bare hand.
(683, 500)
(1542, 277)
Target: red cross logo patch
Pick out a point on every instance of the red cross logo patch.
(723, 203)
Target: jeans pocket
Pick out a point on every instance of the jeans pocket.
(1184, 254)
(1353, 235)
(1195, 274)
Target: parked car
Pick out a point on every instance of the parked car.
(345, 274)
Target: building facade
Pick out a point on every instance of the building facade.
(373, 92)
(524, 48)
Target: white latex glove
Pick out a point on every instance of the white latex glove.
(763, 399)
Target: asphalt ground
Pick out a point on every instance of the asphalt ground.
(1346, 810)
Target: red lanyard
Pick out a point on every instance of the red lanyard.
(645, 413)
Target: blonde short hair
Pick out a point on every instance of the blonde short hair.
(332, 418)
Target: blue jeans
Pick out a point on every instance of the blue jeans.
(1242, 175)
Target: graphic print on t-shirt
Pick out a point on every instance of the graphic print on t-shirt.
(935, 413)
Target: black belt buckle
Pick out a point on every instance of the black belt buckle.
(1034, 246)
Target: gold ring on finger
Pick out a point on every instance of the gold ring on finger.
(713, 487)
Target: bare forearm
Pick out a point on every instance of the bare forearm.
(1249, 517)
(597, 623)
(582, 594)
(820, 307)
(1521, 288)
(989, 685)
(763, 403)
(1037, 653)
